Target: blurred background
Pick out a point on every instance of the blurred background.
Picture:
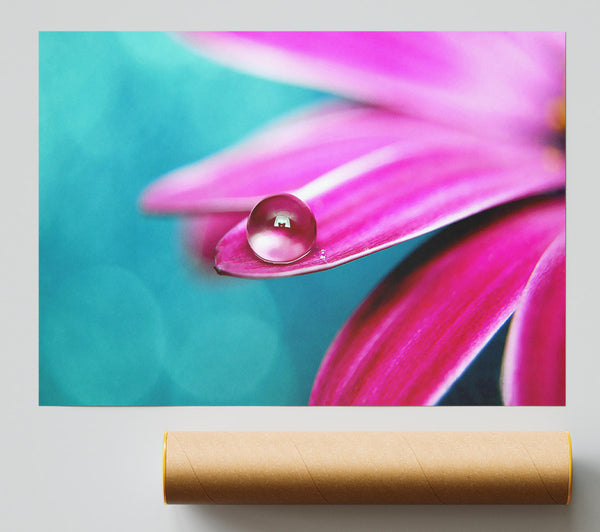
(126, 318)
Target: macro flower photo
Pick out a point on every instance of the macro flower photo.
(323, 218)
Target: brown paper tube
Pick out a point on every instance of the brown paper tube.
(367, 467)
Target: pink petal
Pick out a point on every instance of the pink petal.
(397, 193)
(284, 157)
(494, 82)
(533, 371)
(417, 332)
(202, 233)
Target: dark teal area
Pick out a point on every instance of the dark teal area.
(125, 319)
(479, 384)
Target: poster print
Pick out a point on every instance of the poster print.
(302, 218)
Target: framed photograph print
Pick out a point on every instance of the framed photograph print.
(302, 218)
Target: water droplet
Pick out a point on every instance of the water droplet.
(281, 229)
(323, 255)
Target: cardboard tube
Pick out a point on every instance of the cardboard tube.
(367, 467)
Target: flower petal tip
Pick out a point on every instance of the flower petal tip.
(154, 199)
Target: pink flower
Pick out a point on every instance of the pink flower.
(453, 127)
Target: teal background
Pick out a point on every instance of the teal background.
(125, 318)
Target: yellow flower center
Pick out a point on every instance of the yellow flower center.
(554, 156)
(557, 114)
(556, 136)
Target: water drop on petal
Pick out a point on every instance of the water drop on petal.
(281, 229)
